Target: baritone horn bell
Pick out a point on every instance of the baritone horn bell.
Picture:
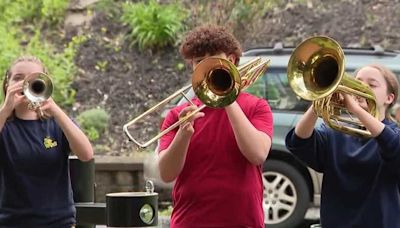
(316, 73)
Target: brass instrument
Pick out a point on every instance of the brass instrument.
(316, 73)
(216, 82)
(37, 88)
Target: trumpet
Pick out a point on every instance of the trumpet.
(37, 88)
(316, 73)
(216, 82)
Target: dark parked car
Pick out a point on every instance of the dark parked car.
(290, 187)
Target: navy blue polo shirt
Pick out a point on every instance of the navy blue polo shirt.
(35, 189)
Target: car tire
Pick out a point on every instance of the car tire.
(286, 195)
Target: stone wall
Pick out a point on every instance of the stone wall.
(117, 174)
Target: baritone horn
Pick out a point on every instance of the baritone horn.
(37, 88)
(316, 73)
(216, 82)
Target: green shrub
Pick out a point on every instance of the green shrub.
(9, 47)
(21, 22)
(93, 122)
(61, 66)
(19, 11)
(53, 11)
(153, 25)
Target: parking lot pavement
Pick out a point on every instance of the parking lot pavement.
(312, 214)
(307, 223)
(311, 217)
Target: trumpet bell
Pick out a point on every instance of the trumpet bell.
(37, 87)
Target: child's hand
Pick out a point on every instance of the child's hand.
(49, 108)
(187, 125)
(351, 103)
(14, 97)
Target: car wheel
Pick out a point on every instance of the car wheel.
(286, 195)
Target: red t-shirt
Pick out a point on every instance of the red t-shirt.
(218, 186)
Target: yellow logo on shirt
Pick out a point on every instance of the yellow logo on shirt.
(49, 143)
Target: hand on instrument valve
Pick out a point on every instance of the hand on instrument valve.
(49, 108)
(353, 104)
(13, 98)
(187, 126)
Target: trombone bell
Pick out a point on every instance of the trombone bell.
(216, 82)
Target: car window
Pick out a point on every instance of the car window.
(274, 87)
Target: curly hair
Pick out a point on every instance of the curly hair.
(212, 40)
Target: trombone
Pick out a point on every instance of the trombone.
(216, 82)
(37, 88)
(316, 73)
